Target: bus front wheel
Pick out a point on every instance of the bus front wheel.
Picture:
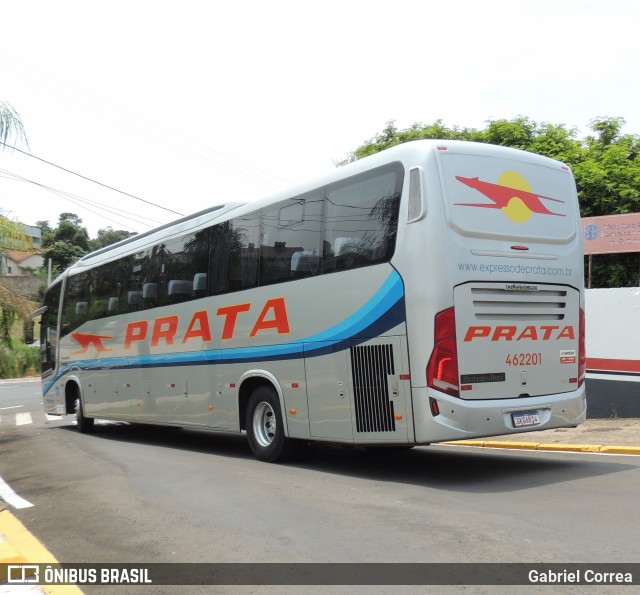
(265, 429)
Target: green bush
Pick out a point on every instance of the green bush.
(23, 360)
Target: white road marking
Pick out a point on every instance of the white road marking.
(25, 418)
(10, 497)
(12, 407)
(22, 419)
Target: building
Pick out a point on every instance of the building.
(35, 233)
(20, 263)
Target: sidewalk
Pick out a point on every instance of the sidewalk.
(612, 436)
(18, 546)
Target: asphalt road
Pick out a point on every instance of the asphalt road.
(143, 494)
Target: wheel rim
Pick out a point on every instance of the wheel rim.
(264, 424)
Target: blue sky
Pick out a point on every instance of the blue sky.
(196, 103)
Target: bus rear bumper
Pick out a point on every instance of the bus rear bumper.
(457, 419)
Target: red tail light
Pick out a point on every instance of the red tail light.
(582, 349)
(442, 369)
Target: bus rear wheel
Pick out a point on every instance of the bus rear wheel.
(265, 429)
(85, 424)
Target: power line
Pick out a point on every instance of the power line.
(91, 179)
(83, 202)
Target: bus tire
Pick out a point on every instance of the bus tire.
(85, 424)
(265, 429)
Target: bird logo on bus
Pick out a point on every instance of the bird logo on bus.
(512, 195)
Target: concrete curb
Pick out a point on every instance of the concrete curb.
(19, 546)
(596, 448)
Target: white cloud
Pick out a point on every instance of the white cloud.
(197, 103)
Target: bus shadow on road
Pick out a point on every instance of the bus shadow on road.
(437, 467)
(465, 469)
(187, 439)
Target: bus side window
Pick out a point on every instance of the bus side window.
(349, 253)
(75, 310)
(113, 305)
(49, 327)
(244, 256)
(199, 285)
(179, 290)
(222, 240)
(181, 259)
(105, 288)
(134, 300)
(291, 240)
(150, 295)
(361, 218)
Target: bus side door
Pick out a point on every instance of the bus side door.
(328, 392)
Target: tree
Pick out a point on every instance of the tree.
(65, 243)
(13, 305)
(11, 126)
(609, 174)
(47, 232)
(12, 234)
(63, 254)
(109, 236)
(70, 241)
(391, 136)
(520, 133)
(70, 230)
(609, 184)
(606, 166)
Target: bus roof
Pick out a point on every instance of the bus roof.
(409, 153)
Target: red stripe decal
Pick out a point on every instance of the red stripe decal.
(615, 365)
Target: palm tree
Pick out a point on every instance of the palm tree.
(12, 233)
(11, 126)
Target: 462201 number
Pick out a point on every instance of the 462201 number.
(524, 359)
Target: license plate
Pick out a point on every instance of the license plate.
(522, 420)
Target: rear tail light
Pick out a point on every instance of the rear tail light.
(442, 369)
(582, 350)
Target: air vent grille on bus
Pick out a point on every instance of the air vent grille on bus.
(502, 304)
(371, 366)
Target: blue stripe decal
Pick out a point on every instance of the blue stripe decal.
(384, 311)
